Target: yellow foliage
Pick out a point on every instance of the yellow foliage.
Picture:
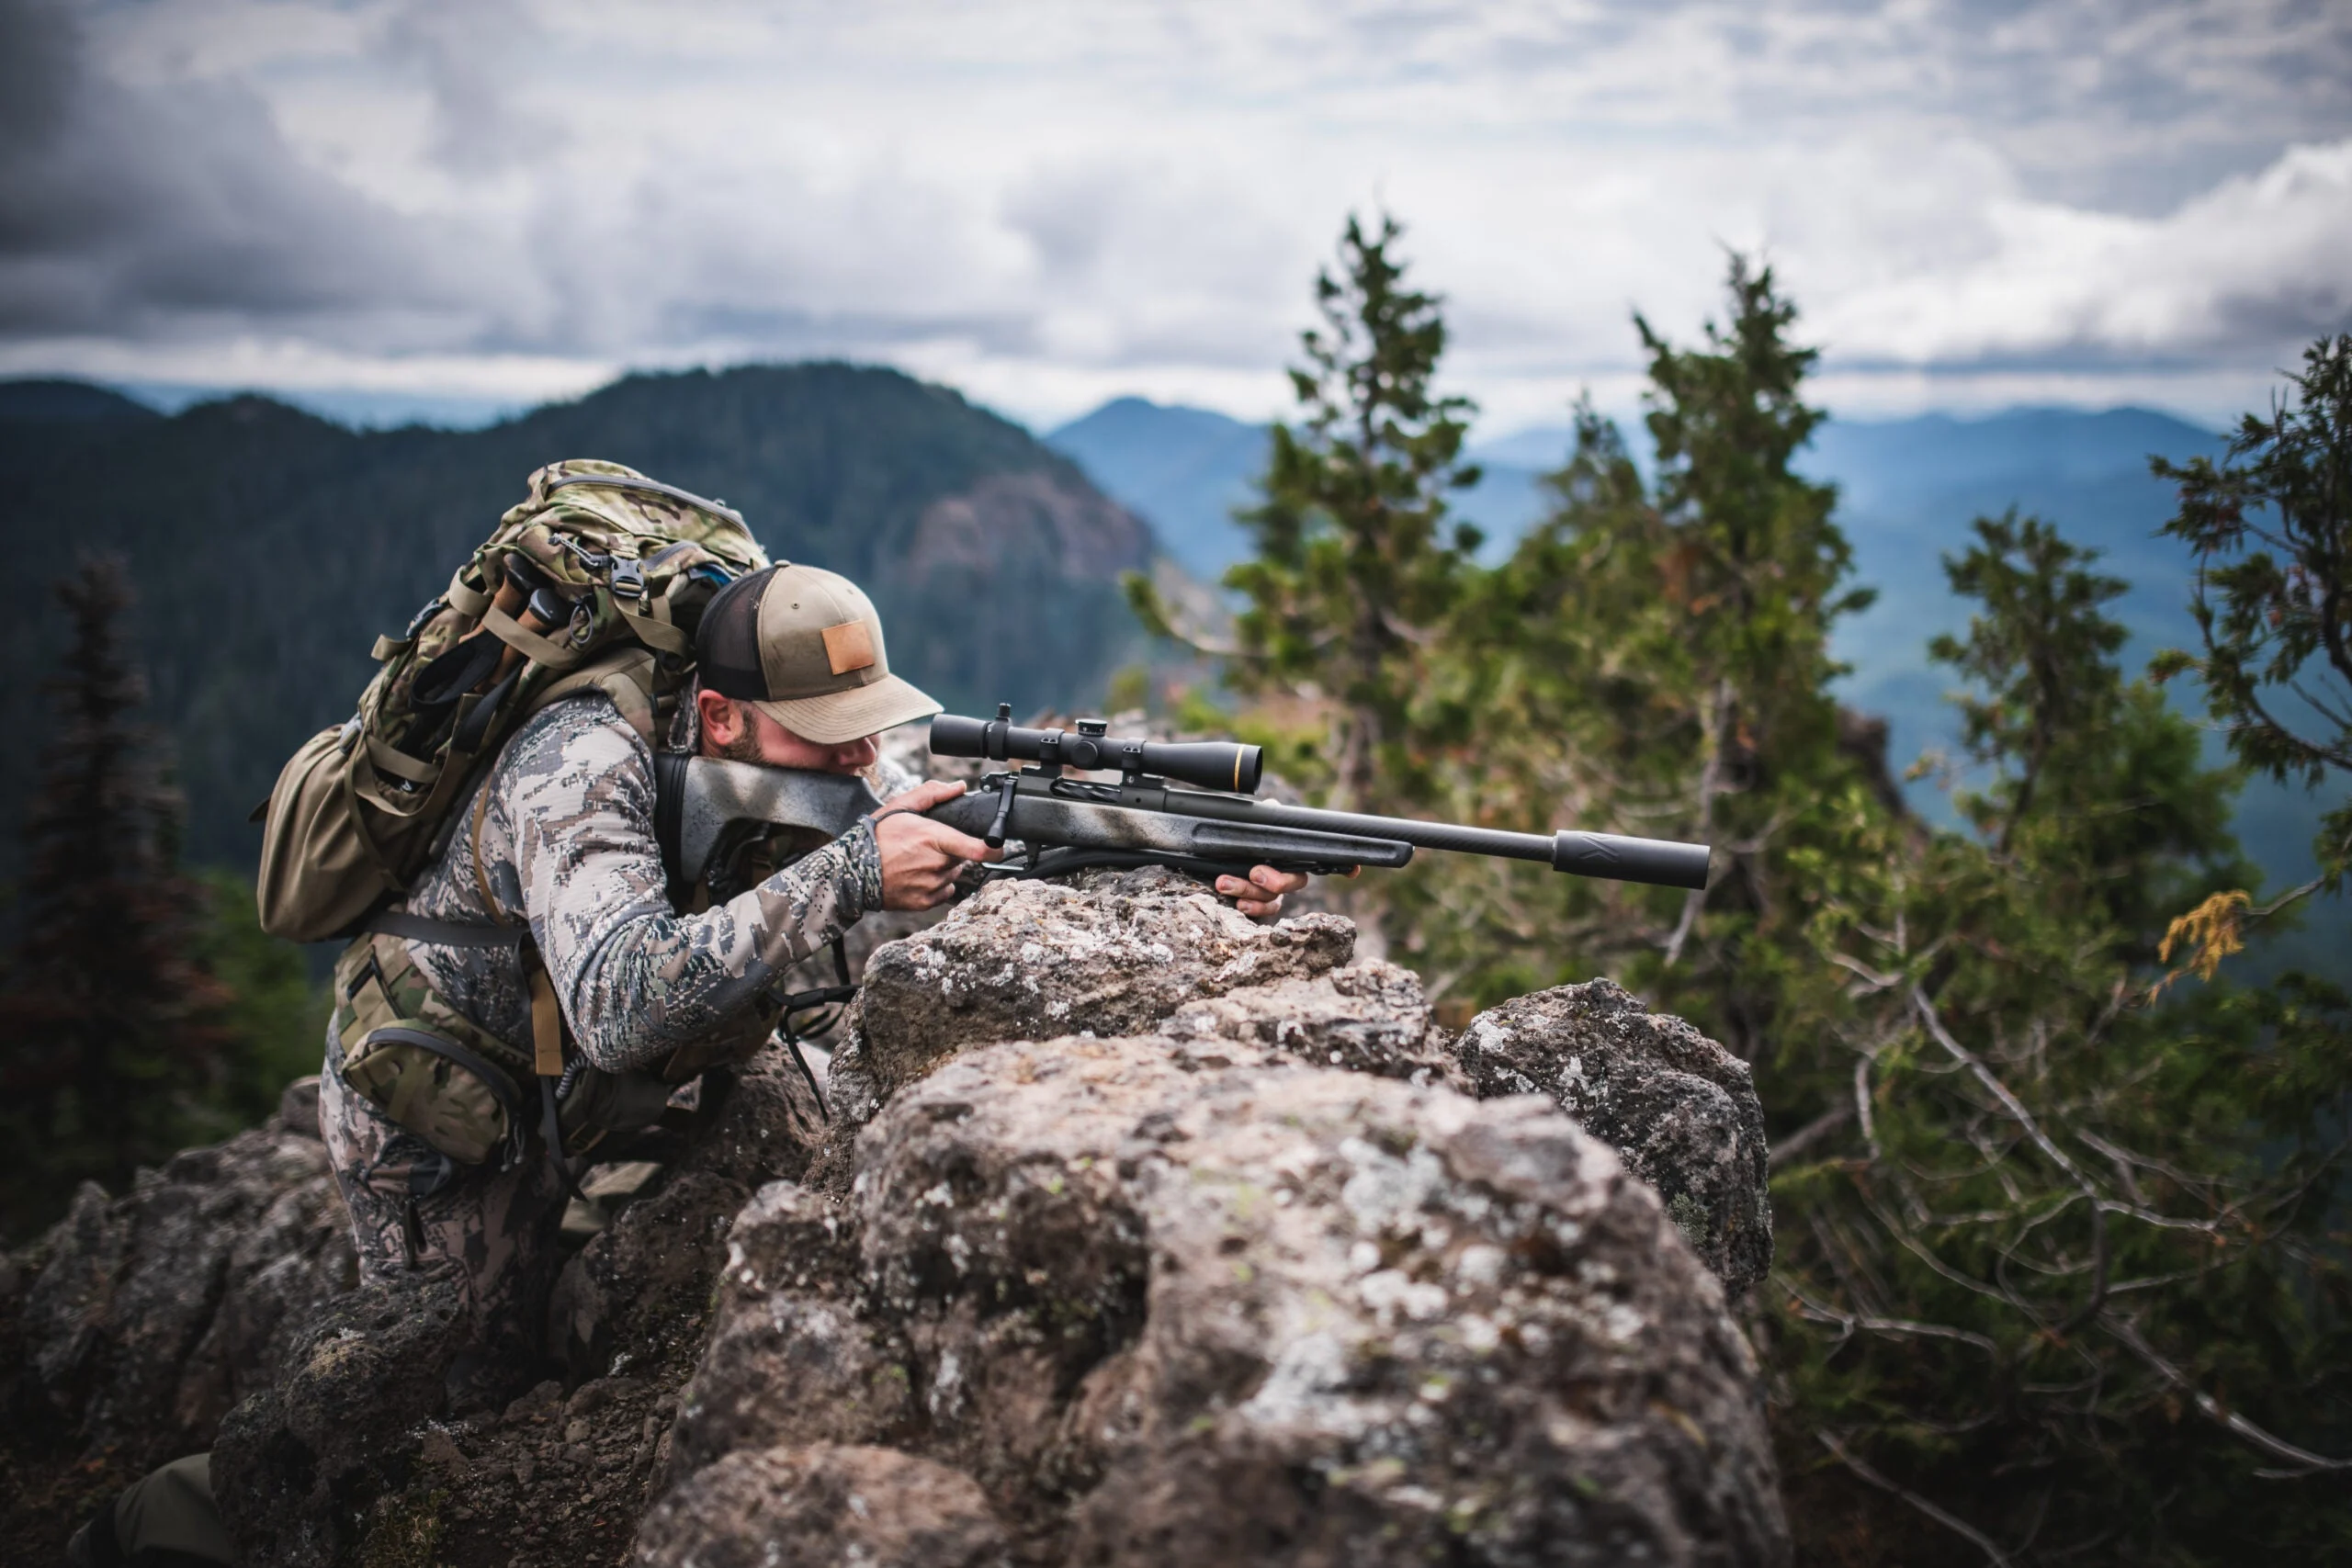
(2209, 932)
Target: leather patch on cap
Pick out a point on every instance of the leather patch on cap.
(849, 647)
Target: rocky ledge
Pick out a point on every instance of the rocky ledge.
(1137, 1234)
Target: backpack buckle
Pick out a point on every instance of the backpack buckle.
(629, 577)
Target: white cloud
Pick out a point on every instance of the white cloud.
(1047, 203)
(2254, 264)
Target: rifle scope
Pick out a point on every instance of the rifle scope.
(1204, 764)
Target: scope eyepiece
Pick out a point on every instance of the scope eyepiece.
(1204, 764)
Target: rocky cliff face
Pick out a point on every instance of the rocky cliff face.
(1139, 1233)
(136, 1324)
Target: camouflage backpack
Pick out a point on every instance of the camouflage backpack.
(598, 579)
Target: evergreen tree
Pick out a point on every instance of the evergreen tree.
(1653, 659)
(1356, 567)
(2271, 527)
(2056, 1279)
(109, 1033)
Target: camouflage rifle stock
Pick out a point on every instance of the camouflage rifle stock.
(1217, 827)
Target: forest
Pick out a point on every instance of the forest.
(2058, 1159)
(2059, 1182)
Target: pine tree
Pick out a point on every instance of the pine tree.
(109, 1032)
(1356, 567)
(2056, 1275)
(1653, 659)
(2271, 527)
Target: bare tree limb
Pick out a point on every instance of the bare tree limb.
(1805, 1137)
(2042, 1140)
(2303, 1461)
(1983, 1542)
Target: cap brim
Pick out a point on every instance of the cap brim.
(840, 716)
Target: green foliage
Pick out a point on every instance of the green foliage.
(276, 1017)
(1355, 565)
(109, 1034)
(2271, 527)
(2055, 1209)
(2062, 1237)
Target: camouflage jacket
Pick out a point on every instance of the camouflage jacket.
(567, 843)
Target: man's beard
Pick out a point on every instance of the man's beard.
(745, 748)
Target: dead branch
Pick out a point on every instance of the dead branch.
(2305, 1461)
(1983, 1542)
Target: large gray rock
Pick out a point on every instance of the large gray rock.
(636, 1300)
(1121, 952)
(297, 1468)
(816, 1508)
(1681, 1109)
(142, 1319)
(1189, 1301)
(323, 1467)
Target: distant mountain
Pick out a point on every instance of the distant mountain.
(1189, 467)
(269, 548)
(1908, 489)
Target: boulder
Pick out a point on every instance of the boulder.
(1680, 1109)
(814, 1507)
(552, 1479)
(1188, 1300)
(1121, 952)
(297, 1468)
(142, 1319)
(1137, 1232)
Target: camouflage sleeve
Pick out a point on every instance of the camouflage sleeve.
(635, 978)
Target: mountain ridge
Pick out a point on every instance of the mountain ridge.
(268, 546)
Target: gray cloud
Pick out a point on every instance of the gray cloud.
(162, 212)
(169, 212)
(1071, 199)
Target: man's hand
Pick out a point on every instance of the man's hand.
(920, 857)
(1261, 897)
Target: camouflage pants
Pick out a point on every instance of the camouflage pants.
(410, 1209)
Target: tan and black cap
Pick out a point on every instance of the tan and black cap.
(804, 645)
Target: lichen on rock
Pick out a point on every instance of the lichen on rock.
(1681, 1109)
(1170, 1302)
(1139, 1232)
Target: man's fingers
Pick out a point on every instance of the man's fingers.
(1277, 882)
(961, 846)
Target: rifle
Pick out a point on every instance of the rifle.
(1216, 827)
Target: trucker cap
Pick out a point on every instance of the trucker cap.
(804, 645)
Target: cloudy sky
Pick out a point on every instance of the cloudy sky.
(1045, 204)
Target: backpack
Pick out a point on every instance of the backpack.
(598, 578)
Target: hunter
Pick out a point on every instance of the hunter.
(566, 844)
(790, 670)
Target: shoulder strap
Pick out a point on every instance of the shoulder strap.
(626, 675)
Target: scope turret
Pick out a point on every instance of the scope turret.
(1205, 764)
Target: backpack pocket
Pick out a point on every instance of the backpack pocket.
(422, 1067)
(461, 1103)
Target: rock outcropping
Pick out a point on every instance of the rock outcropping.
(1139, 1233)
(1681, 1109)
(138, 1321)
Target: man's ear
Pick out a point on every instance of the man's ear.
(721, 720)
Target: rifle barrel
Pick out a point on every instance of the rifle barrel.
(1619, 858)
